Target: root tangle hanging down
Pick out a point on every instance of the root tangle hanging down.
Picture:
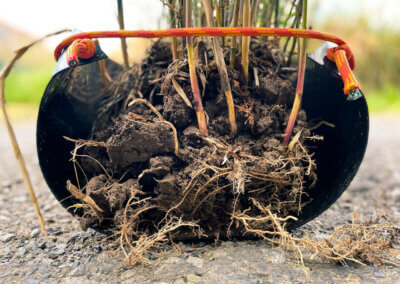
(148, 175)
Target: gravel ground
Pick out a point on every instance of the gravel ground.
(70, 255)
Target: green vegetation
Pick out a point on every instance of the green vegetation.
(377, 60)
(26, 85)
(386, 99)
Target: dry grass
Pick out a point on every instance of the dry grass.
(4, 72)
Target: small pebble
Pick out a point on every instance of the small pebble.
(35, 233)
(21, 252)
(195, 261)
(60, 249)
(7, 237)
(379, 274)
(31, 246)
(31, 281)
(32, 271)
(45, 276)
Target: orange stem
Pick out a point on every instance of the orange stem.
(201, 118)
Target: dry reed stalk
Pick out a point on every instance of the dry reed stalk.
(121, 23)
(25, 175)
(105, 76)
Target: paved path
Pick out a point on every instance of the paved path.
(70, 255)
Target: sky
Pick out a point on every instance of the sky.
(39, 17)
(380, 13)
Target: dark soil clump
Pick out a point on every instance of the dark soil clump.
(145, 178)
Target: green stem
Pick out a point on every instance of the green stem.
(246, 42)
(172, 20)
(289, 14)
(181, 19)
(222, 9)
(296, 20)
(291, 52)
(234, 41)
(253, 13)
(276, 24)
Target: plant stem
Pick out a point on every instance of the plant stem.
(262, 15)
(4, 72)
(105, 76)
(199, 13)
(234, 42)
(181, 20)
(218, 13)
(276, 24)
(222, 9)
(289, 14)
(246, 42)
(295, 22)
(181, 10)
(122, 27)
(240, 25)
(201, 118)
(300, 80)
(172, 20)
(268, 19)
(223, 73)
(289, 59)
(253, 13)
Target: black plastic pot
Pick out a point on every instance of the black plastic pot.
(69, 112)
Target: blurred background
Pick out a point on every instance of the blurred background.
(371, 28)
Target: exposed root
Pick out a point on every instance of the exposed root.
(266, 215)
(294, 140)
(375, 241)
(82, 197)
(322, 122)
(371, 242)
(139, 249)
(130, 181)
